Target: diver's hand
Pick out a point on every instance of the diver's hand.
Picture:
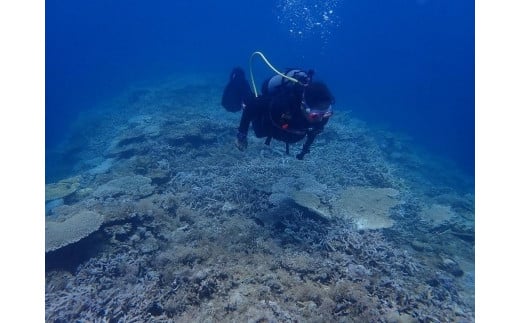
(241, 141)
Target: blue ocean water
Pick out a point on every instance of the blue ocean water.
(405, 64)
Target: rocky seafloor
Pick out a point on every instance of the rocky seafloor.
(152, 215)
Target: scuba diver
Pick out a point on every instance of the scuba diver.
(292, 107)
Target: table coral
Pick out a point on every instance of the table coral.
(73, 229)
(62, 188)
(367, 207)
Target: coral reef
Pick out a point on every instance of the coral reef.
(194, 230)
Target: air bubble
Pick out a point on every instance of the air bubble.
(309, 17)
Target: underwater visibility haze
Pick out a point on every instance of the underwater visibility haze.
(152, 214)
(407, 64)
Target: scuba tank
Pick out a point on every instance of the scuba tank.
(282, 84)
(292, 79)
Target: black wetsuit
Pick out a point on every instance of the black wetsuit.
(280, 117)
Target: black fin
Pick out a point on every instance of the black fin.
(236, 91)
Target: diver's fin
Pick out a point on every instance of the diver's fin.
(236, 91)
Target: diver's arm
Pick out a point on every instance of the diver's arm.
(245, 120)
(251, 109)
(311, 135)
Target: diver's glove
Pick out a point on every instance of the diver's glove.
(241, 141)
